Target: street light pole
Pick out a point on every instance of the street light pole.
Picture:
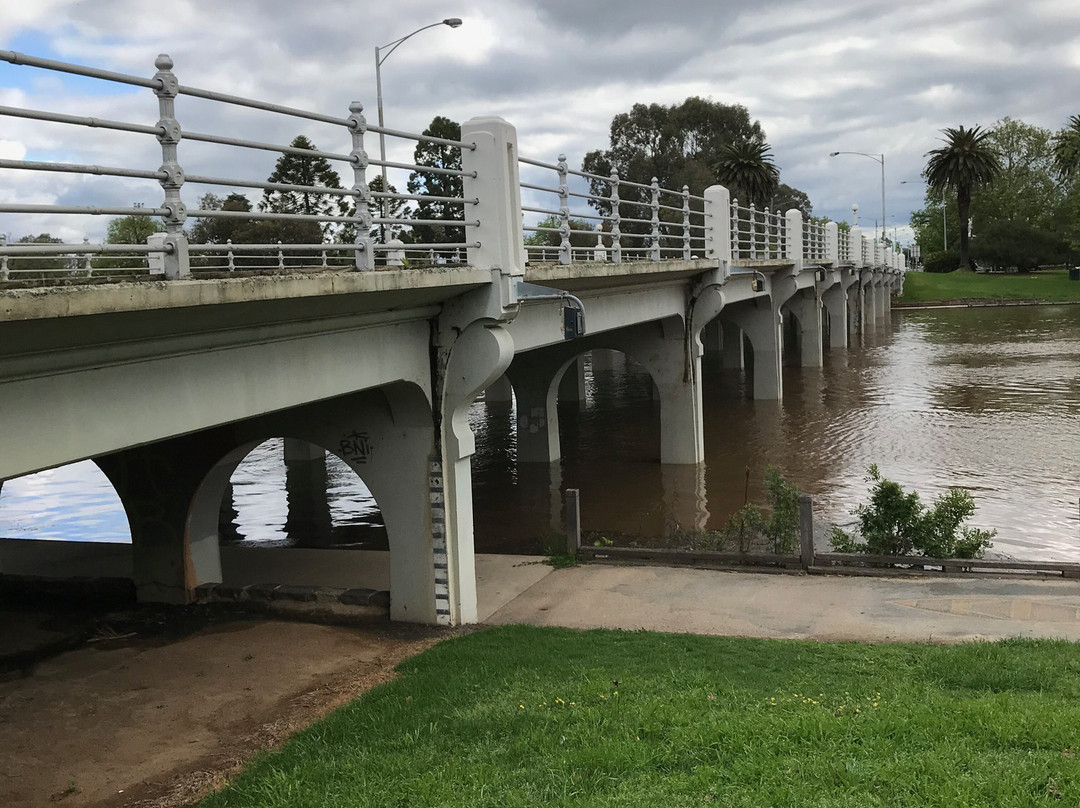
(880, 158)
(380, 57)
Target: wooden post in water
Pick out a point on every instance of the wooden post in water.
(573, 521)
(806, 530)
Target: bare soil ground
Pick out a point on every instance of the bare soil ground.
(157, 709)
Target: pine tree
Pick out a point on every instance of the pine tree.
(314, 171)
(432, 184)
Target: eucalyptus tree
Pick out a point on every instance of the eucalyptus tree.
(965, 163)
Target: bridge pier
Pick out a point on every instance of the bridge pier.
(500, 390)
(761, 322)
(732, 354)
(835, 301)
(536, 378)
(867, 303)
(806, 306)
(305, 490)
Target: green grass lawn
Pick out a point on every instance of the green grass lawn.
(1049, 285)
(536, 717)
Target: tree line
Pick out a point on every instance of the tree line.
(1005, 197)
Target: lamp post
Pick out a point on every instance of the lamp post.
(380, 57)
(879, 158)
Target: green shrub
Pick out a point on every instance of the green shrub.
(896, 522)
(782, 529)
(941, 261)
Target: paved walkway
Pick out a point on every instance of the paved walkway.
(820, 607)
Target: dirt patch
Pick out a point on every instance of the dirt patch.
(149, 711)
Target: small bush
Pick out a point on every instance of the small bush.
(782, 529)
(896, 522)
(941, 261)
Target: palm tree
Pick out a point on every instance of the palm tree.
(1067, 149)
(965, 162)
(747, 169)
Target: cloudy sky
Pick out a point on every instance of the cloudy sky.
(820, 75)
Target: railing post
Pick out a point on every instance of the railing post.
(654, 247)
(365, 245)
(565, 255)
(806, 530)
(599, 252)
(491, 175)
(686, 222)
(718, 245)
(230, 258)
(280, 256)
(88, 265)
(832, 243)
(3, 260)
(736, 231)
(753, 232)
(796, 245)
(177, 264)
(616, 234)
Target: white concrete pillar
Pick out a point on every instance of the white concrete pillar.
(662, 349)
(535, 379)
(572, 387)
(495, 162)
(479, 355)
(835, 301)
(867, 306)
(718, 227)
(712, 337)
(732, 356)
(806, 306)
(832, 243)
(794, 250)
(762, 325)
(305, 490)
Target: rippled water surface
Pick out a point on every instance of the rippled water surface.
(988, 399)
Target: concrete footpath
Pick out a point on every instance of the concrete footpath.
(818, 607)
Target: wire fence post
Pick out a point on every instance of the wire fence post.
(573, 521)
(616, 248)
(365, 252)
(806, 530)
(177, 264)
(686, 222)
(565, 253)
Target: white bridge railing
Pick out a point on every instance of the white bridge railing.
(571, 215)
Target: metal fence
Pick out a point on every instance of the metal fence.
(571, 215)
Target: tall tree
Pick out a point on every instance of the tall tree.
(747, 169)
(394, 208)
(430, 183)
(1067, 149)
(786, 198)
(967, 161)
(127, 230)
(314, 172)
(43, 265)
(221, 230)
(1025, 189)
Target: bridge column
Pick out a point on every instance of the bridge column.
(881, 298)
(536, 377)
(572, 387)
(732, 355)
(500, 390)
(479, 355)
(761, 323)
(867, 304)
(305, 489)
(806, 306)
(662, 349)
(156, 485)
(835, 301)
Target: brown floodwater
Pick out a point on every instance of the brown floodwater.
(986, 399)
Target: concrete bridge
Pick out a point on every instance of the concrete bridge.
(167, 380)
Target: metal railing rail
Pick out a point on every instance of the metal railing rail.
(757, 234)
